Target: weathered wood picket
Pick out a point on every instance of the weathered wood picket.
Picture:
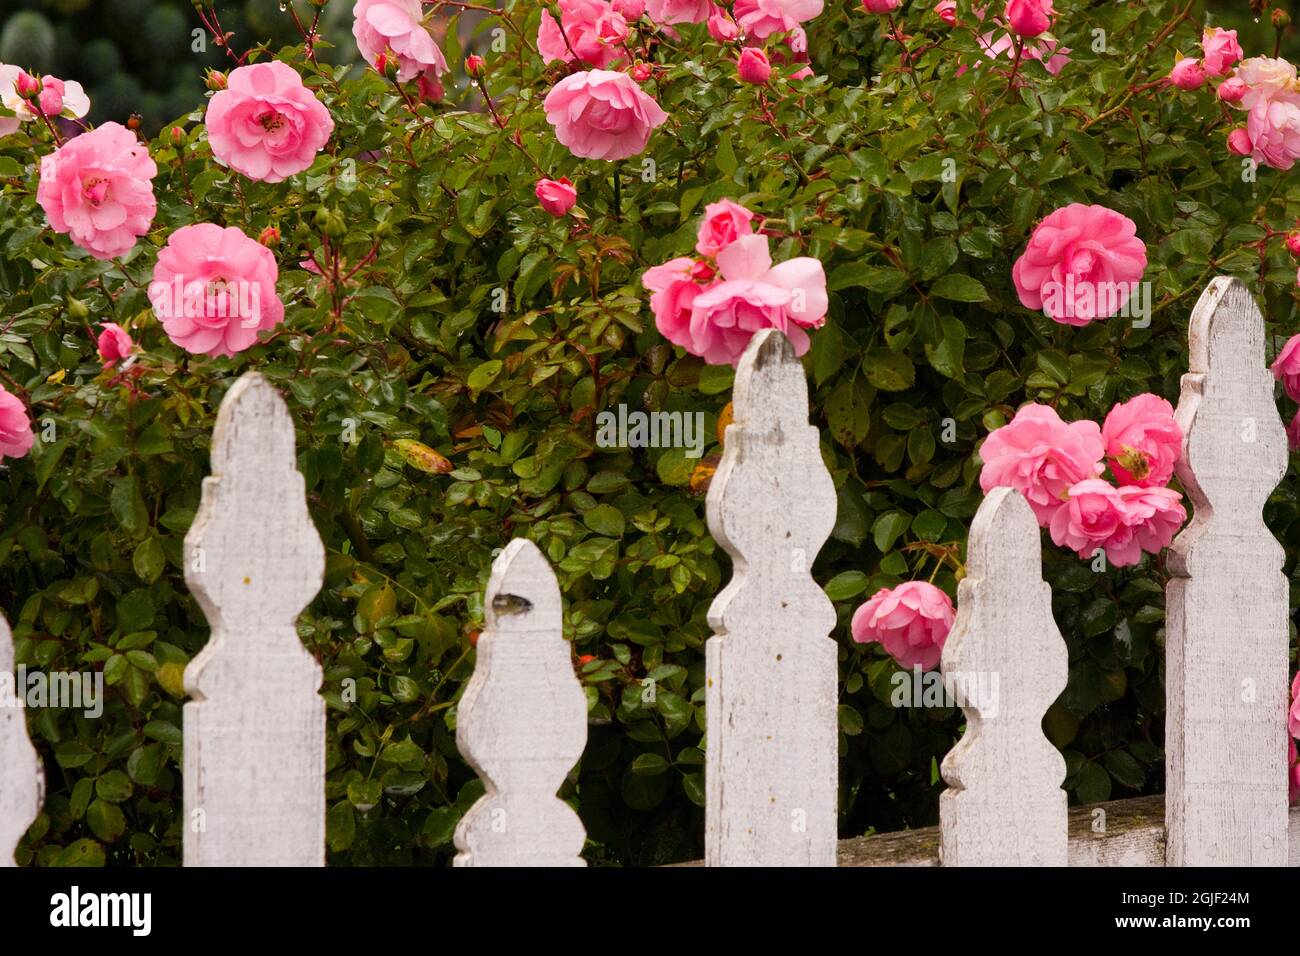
(254, 736)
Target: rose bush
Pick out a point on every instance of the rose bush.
(466, 270)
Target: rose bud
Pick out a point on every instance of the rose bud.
(1232, 90)
(215, 80)
(1293, 243)
(1239, 142)
(641, 72)
(474, 65)
(557, 196)
(28, 86)
(753, 66)
(270, 236)
(1187, 74)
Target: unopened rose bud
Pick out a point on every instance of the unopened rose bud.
(388, 64)
(177, 136)
(1239, 142)
(474, 65)
(77, 309)
(215, 80)
(1281, 19)
(270, 237)
(642, 72)
(1293, 243)
(753, 66)
(1232, 90)
(28, 86)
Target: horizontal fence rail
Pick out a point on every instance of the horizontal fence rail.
(254, 736)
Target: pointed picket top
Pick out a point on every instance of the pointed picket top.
(1226, 661)
(254, 751)
(22, 779)
(1005, 663)
(522, 722)
(771, 774)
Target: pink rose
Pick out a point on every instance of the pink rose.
(762, 18)
(1293, 715)
(1239, 143)
(1029, 18)
(1050, 53)
(1154, 514)
(602, 115)
(1081, 264)
(1293, 433)
(673, 290)
(1293, 242)
(753, 294)
(213, 289)
(594, 32)
(98, 188)
(1286, 367)
(1094, 516)
(629, 10)
(57, 98)
(947, 11)
(114, 344)
(1041, 457)
(1187, 74)
(266, 124)
(753, 67)
(1274, 129)
(557, 196)
(397, 26)
(880, 6)
(723, 223)
(1142, 440)
(721, 27)
(1221, 50)
(16, 436)
(1264, 78)
(910, 621)
(678, 11)
(1232, 90)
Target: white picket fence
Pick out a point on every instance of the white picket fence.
(254, 736)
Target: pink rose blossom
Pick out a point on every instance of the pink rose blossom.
(557, 196)
(114, 344)
(753, 294)
(1221, 50)
(98, 188)
(1041, 457)
(947, 11)
(1293, 242)
(1142, 441)
(1050, 53)
(673, 290)
(1154, 514)
(1081, 264)
(57, 98)
(1286, 367)
(1239, 143)
(16, 438)
(629, 10)
(1293, 433)
(382, 26)
(594, 32)
(1029, 18)
(266, 124)
(1264, 78)
(600, 114)
(666, 12)
(1187, 74)
(1094, 516)
(1274, 129)
(880, 6)
(723, 223)
(1232, 90)
(910, 621)
(213, 289)
(1293, 715)
(761, 18)
(721, 27)
(753, 66)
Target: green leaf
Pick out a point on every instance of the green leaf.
(105, 821)
(148, 560)
(606, 520)
(845, 585)
(889, 371)
(888, 527)
(959, 288)
(128, 505)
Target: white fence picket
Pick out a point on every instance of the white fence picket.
(1226, 629)
(522, 722)
(771, 763)
(22, 780)
(1005, 662)
(254, 754)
